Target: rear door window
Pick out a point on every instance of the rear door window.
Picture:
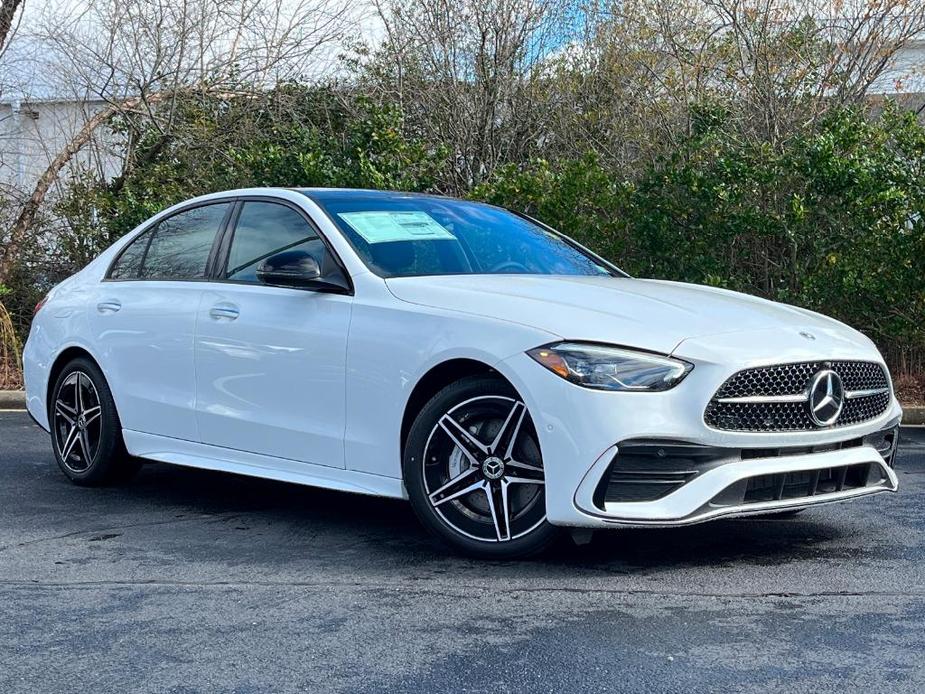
(181, 244)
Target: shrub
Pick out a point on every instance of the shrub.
(832, 220)
(10, 349)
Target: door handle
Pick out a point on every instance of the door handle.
(109, 306)
(224, 312)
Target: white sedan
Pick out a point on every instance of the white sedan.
(504, 379)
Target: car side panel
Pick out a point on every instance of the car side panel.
(200, 455)
(146, 351)
(271, 380)
(62, 323)
(392, 345)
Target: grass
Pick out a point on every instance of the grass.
(10, 351)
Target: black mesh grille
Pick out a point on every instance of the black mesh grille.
(786, 379)
(793, 379)
(797, 485)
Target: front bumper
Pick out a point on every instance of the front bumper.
(728, 484)
(580, 431)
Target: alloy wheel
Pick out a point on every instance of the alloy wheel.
(77, 421)
(483, 472)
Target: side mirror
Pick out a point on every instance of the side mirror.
(298, 269)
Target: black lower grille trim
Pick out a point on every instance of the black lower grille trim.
(641, 485)
(647, 470)
(805, 484)
(650, 469)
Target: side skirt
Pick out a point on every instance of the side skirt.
(199, 455)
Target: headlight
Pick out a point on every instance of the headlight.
(611, 368)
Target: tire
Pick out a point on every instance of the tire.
(86, 435)
(472, 448)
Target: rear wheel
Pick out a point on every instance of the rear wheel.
(474, 471)
(85, 430)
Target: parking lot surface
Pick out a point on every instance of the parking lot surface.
(188, 581)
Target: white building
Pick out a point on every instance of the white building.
(905, 78)
(34, 131)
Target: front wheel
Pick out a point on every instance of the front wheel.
(474, 471)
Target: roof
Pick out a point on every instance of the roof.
(320, 196)
(327, 195)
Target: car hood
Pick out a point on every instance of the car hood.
(648, 314)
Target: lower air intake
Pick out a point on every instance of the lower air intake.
(800, 485)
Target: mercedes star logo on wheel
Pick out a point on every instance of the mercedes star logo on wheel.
(826, 397)
(493, 468)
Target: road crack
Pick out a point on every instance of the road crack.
(109, 529)
(459, 590)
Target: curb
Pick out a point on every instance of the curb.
(12, 400)
(16, 400)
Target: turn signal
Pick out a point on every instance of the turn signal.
(552, 361)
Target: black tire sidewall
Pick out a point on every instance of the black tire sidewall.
(465, 389)
(110, 464)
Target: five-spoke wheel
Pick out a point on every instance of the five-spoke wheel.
(77, 421)
(475, 473)
(85, 427)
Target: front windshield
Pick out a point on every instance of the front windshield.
(400, 235)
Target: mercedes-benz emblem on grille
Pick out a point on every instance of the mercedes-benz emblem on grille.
(826, 397)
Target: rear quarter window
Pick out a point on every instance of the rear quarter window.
(128, 264)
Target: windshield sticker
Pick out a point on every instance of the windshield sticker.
(382, 227)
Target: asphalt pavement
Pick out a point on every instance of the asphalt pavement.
(196, 581)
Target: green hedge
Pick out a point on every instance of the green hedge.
(832, 221)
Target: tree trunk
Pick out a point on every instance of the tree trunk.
(7, 12)
(24, 221)
(27, 215)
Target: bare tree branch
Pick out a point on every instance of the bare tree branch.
(138, 56)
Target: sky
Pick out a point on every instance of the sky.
(29, 70)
